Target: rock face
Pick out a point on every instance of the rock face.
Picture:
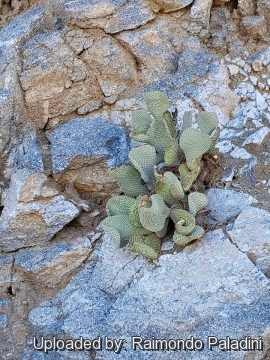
(83, 142)
(111, 16)
(33, 212)
(71, 74)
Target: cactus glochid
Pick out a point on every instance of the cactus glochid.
(158, 181)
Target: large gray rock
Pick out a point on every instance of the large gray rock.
(188, 295)
(172, 5)
(26, 155)
(226, 204)
(50, 264)
(156, 58)
(23, 26)
(215, 95)
(112, 16)
(185, 295)
(200, 13)
(107, 58)
(32, 213)
(251, 234)
(87, 138)
(55, 82)
(83, 150)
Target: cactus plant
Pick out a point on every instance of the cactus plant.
(156, 195)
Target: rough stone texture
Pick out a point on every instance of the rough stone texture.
(253, 240)
(263, 9)
(31, 223)
(246, 7)
(257, 140)
(23, 27)
(25, 155)
(99, 56)
(6, 112)
(169, 302)
(55, 82)
(88, 137)
(92, 291)
(172, 5)
(84, 149)
(115, 67)
(112, 16)
(255, 26)
(155, 56)
(226, 204)
(50, 264)
(6, 263)
(215, 95)
(200, 12)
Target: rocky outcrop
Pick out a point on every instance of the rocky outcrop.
(33, 212)
(185, 294)
(71, 75)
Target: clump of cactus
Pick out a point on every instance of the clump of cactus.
(157, 182)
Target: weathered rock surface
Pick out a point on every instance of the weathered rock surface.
(6, 112)
(84, 149)
(115, 68)
(73, 58)
(226, 204)
(156, 58)
(6, 278)
(111, 16)
(50, 264)
(172, 5)
(55, 82)
(32, 215)
(184, 295)
(26, 155)
(200, 13)
(23, 27)
(251, 234)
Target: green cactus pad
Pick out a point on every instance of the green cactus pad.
(187, 120)
(144, 159)
(141, 121)
(174, 184)
(134, 213)
(180, 239)
(171, 124)
(157, 103)
(213, 150)
(118, 205)
(189, 173)
(163, 232)
(196, 202)
(184, 221)
(153, 212)
(120, 228)
(115, 235)
(172, 153)
(159, 136)
(148, 246)
(129, 180)
(197, 233)
(194, 143)
(207, 122)
(139, 137)
(163, 189)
